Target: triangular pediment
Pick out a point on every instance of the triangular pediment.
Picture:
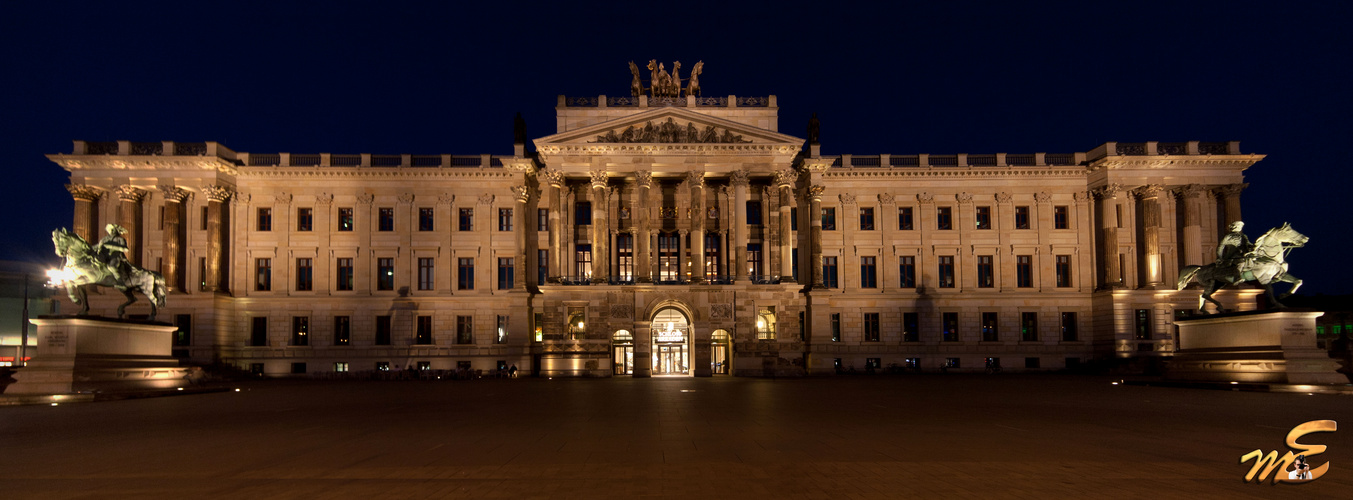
(670, 125)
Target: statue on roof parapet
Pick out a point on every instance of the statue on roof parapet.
(664, 84)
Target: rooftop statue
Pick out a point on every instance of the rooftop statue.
(1238, 261)
(105, 264)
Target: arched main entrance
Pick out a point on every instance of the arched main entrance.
(671, 343)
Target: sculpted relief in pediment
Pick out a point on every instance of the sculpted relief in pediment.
(670, 132)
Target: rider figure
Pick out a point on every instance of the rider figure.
(112, 250)
(1233, 250)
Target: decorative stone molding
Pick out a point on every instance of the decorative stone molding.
(244, 198)
(643, 179)
(815, 192)
(964, 197)
(738, 178)
(1148, 191)
(696, 178)
(366, 198)
(720, 311)
(554, 178)
(282, 198)
(785, 178)
(445, 199)
(846, 198)
(622, 311)
(599, 179)
(926, 198)
(130, 193)
(174, 193)
(84, 192)
(406, 199)
(886, 198)
(521, 193)
(218, 193)
(324, 199)
(1042, 197)
(486, 199)
(1004, 197)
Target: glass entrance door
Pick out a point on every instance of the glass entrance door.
(624, 360)
(719, 359)
(671, 360)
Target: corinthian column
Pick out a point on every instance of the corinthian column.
(1108, 234)
(556, 255)
(217, 225)
(784, 180)
(1191, 197)
(644, 270)
(815, 215)
(129, 217)
(600, 231)
(1230, 195)
(697, 180)
(739, 208)
(1148, 200)
(173, 236)
(523, 195)
(86, 216)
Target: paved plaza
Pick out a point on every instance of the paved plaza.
(916, 436)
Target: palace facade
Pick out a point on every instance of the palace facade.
(664, 236)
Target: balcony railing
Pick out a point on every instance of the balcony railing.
(765, 279)
(575, 280)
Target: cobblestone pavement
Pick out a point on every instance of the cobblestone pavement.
(928, 436)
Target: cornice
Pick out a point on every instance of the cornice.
(1077, 173)
(1175, 161)
(669, 149)
(73, 163)
(348, 172)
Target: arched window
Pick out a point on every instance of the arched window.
(622, 337)
(765, 323)
(719, 336)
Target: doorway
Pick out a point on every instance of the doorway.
(719, 352)
(671, 348)
(622, 352)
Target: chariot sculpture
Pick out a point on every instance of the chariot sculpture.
(104, 264)
(1239, 261)
(664, 84)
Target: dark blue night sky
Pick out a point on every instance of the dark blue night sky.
(946, 77)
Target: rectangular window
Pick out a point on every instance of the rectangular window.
(868, 274)
(828, 219)
(385, 221)
(1024, 271)
(305, 275)
(465, 274)
(944, 218)
(506, 273)
(871, 327)
(465, 221)
(1021, 217)
(204, 218)
(754, 213)
(983, 217)
(340, 366)
(990, 327)
(258, 334)
(264, 219)
(793, 218)
(423, 335)
(836, 327)
(262, 275)
(501, 331)
(829, 272)
(345, 221)
(300, 330)
(542, 266)
(538, 324)
(712, 257)
(542, 220)
(669, 244)
(202, 273)
(904, 220)
(1143, 324)
(911, 327)
(582, 213)
(464, 330)
(985, 272)
(906, 272)
(426, 273)
(1060, 218)
(765, 323)
(1028, 326)
(183, 336)
(344, 278)
(866, 218)
(946, 271)
(803, 328)
(385, 274)
(582, 259)
(754, 260)
(624, 256)
(504, 219)
(794, 263)
(305, 219)
(383, 330)
(426, 218)
(1070, 332)
(1064, 270)
(950, 326)
(342, 330)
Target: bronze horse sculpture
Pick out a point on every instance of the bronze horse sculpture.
(81, 266)
(1264, 264)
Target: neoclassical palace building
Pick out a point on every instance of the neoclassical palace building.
(664, 235)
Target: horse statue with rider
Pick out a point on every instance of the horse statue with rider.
(105, 264)
(1239, 261)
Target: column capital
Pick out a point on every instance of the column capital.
(445, 199)
(127, 192)
(1147, 191)
(406, 198)
(643, 179)
(886, 198)
(1004, 197)
(846, 198)
(366, 198)
(485, 199)
(324, 199)
(521, 193)
(174, 193)
(84, 192)
(218, 193)
(554, 178)
(1082, 196)
(696, 178)
(964, 197)
(1109, 191)
(282, 197)
(599, 179)
(1042, 197)
(1190, 190)
(786, 177)
(1231, 189)
(738, 178)
(815, 192)
(925, 198)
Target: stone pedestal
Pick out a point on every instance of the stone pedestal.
(89, 354)
(1275, 346)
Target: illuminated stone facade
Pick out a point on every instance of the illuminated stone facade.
(311, 263)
